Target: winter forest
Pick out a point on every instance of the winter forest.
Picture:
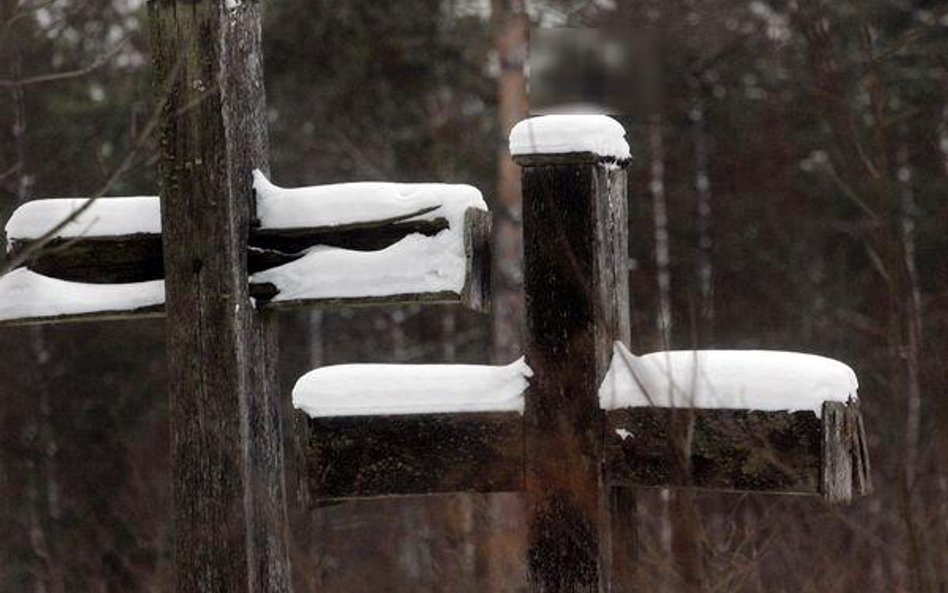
(787, 191)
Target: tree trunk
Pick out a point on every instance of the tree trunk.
(501, 541)
(510, 24)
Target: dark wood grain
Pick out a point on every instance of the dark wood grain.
(368, 456)
(845, 458)
(477, 288)
(230, 511)
(724, 449)
(574, 222)
(103, 260)
(740, 450)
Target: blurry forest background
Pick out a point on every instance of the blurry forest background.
(788, 191)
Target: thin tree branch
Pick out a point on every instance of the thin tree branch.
(68, 75)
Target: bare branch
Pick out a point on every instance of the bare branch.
(38, 244)
(68, 75)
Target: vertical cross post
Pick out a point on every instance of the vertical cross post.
(577, 305)
(230, 511)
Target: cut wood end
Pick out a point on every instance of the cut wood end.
(845, 469)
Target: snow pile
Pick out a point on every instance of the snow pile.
(561, 134)
(106, 217)
(354, 204)
(726, 379)
(25, 294)
(415, 264)
(394, 389)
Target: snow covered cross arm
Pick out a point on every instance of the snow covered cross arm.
(749, 420)
(342, 244)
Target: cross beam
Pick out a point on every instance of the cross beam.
(226, 237)
(351, 457)
(112, 251)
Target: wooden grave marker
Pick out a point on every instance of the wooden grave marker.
(214, 251)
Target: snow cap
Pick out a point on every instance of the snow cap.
(394, 389)
(562, 134)
(725, 379)
(105, 217)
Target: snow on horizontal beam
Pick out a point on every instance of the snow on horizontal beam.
(726, 379)
(451, 266)
(395, 389)
(105, 217)
(342, 244)
(343, 205)
(28, 297)
(384, 430)
(599, 135)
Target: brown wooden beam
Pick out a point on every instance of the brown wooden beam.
(104, 315)
(740, 450)
(576, 287)
(99, 260)
(370, 456)
(137, 258)
(230, 520)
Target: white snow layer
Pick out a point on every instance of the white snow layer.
(346, 204)
(415, 264)
(26, 294)
(106, 217)
(725, 379)
(560, 134)
(392, 389)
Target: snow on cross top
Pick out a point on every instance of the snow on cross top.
(105, 217)
(352, 204)
(562, 134)
(395, 389)
(725, 379)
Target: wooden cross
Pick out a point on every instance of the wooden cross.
(217, 248)
(200, 261)
(586, 434)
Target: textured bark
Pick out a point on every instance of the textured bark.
(742, 450)
(356, 456)
(230, 512)
(728, 449)
(845, 458)
(577, 305)
(127, 258)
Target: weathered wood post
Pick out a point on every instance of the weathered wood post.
(230, 511)
(577, 305)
